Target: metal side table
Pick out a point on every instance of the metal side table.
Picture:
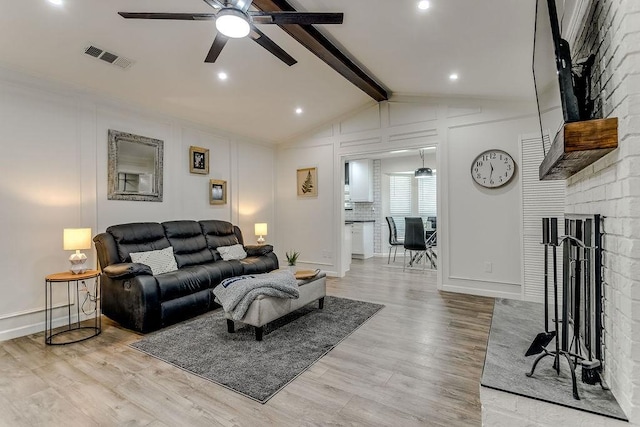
(84, 332)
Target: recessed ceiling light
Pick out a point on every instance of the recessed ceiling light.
(423, 5)
(222, 75)
(56, 2)
(298, 110)
(453, 76)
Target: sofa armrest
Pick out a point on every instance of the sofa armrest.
(133, 302)
(126, 270)
(258, 250)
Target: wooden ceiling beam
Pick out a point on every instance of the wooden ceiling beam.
(320, 46)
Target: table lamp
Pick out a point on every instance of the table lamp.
(76, 239)
(261, 230)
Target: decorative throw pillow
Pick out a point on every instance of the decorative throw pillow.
(162, 261)
(232, 252)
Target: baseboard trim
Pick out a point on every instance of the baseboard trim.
(481, 292)
(36, 327)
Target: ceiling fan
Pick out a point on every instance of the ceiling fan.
(234, 20)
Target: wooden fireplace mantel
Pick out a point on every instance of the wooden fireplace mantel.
(577, 145)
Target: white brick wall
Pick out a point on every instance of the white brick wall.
(611, 187)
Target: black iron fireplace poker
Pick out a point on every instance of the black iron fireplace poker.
(543, 338)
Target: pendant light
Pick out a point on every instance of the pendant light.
(422, 172)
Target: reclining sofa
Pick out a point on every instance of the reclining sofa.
(132, 296)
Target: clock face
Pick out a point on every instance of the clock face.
(493, 168)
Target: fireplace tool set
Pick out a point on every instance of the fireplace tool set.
(581, 300)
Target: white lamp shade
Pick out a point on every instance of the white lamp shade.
(233, 23)
(261, 229)
(77, 238)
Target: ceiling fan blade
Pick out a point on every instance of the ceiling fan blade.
(302, 18)
(216, 48)
(214, 4)
(177, 16)
(264, 41)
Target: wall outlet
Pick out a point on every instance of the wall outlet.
(488, 267)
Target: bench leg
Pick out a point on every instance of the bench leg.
(321, 303)
(230, 327)
(259, 330)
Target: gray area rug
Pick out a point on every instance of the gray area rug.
(257, 369)
(514, 326)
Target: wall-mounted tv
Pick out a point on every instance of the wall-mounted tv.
(555, 92)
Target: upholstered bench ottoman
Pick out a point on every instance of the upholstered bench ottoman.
(265, 309)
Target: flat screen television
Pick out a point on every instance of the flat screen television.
(552, 74)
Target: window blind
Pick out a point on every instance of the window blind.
(399, 200)
(427, 197)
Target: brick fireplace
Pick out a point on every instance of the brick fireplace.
(610, 187)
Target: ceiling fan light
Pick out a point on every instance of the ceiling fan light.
(233, 23)
(423, 173)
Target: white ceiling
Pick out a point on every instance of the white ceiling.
(410, 52)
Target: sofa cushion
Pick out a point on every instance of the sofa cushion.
(232, 252)
(218, 233)
(261, 264)
(221, 270)
(195, 278)
(138, 237)
(189, 244)
(161, 261)
(183, 282)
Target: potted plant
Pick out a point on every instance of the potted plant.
(292, 258)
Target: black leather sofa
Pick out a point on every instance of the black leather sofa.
(132, 296)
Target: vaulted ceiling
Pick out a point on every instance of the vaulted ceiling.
(407, 51)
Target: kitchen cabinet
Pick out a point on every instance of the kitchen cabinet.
(361, 180)
(362, 240)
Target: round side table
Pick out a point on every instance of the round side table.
(84, 332)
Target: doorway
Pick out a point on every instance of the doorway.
(396, 192)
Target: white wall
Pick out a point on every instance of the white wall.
(307, 224)
(469, 217)
(53, 158)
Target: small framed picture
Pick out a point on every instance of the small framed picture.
(199, 160)
(217, 192)
(307, 182)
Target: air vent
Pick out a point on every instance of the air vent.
(109, 57)
(93, 51)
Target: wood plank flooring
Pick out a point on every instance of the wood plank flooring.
(416, 363)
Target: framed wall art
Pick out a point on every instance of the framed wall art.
(217, 192)
(199, 160)
(307, 181)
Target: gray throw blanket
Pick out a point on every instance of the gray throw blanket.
(237, 293)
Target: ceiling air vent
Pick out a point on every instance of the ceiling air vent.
(109, 57)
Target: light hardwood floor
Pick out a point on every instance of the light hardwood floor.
(417, 362)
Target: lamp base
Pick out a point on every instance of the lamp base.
(261, 240)
(78, 263)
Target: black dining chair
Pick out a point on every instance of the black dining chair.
(432, 248)
(414, 241)
(394, 242)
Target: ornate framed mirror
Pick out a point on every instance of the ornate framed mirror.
(135, 167)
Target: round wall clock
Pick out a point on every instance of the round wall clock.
(493, 168)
